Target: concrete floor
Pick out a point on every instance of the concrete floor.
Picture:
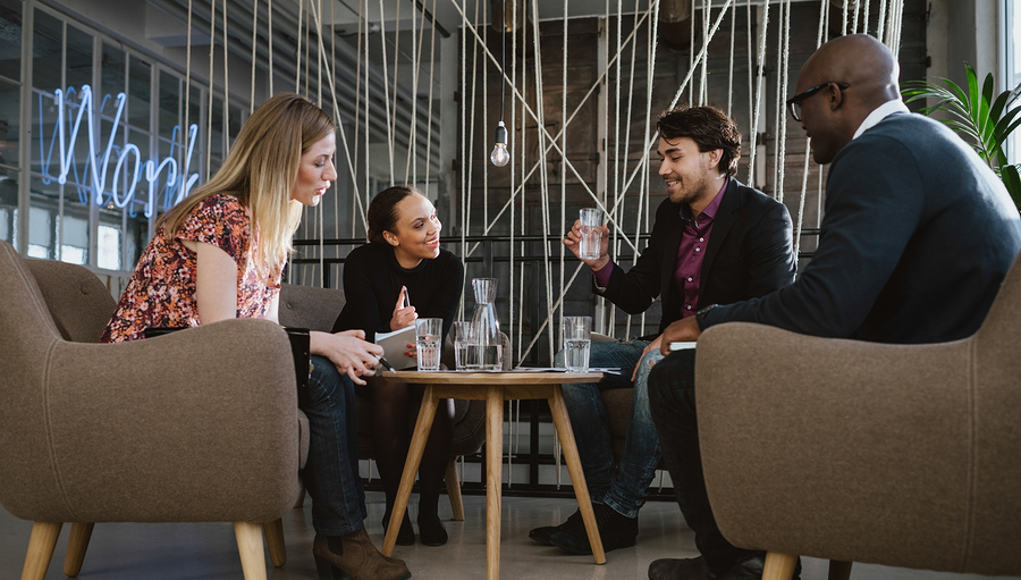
(207, 551)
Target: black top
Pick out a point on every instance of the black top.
(917, 236)
(750, 253)
(373, 280)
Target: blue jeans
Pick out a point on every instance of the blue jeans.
(331, 474)
(624, 489)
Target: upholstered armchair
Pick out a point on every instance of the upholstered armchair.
(199, 425)
(904, 455)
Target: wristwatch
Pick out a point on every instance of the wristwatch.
(700, 315)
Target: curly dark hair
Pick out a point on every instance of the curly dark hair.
(710, 129)
(382, 214)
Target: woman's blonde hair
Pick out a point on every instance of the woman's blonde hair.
(260, 171)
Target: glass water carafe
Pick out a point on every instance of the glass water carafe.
(486, 324)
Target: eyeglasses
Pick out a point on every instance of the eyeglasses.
(794, 103)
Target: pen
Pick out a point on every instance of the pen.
(407, 297)
(386, 364)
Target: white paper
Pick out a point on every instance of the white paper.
(395, 344)
(681, 346)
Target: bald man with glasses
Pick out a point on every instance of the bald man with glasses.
(917, 236)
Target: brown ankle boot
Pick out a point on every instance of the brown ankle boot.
(359, 558)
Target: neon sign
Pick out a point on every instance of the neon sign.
(129, 170)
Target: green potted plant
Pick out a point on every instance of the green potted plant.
(982, 118)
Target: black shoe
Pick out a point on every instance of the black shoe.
(697, 569)
(542, 535)
(751, 569)
(615, 530)
(431, 531)
(679, 569)
(406, 535)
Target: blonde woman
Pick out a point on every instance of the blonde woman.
(219, 254)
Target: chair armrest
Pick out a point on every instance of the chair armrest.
(198, 425)
(836, 448)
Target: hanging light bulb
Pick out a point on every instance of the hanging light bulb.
(500, 157)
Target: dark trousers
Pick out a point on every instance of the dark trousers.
(672, 400)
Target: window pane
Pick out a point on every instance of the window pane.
(139, 94)
(112, 76)
(74, 241)
(10, 38)
(8, 204)
(108, 254)
(79, 58)
(46, 52)
(170, 95)
(10, 101)
(41, 218)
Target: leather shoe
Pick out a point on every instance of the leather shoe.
(615, 530)
(542, 535)
(431, 530)
(679, 569)
(697, 569)
(405, 535)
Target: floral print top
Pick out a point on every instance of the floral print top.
(161, 292)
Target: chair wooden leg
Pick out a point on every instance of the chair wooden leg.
(494, 480)
(840, 570)
(275, 542)
(253, 559)
(454, 490)
(77, 543)
(40, 549)
(779, 566)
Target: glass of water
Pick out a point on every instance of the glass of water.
(466, 346)
(577, 342)
(591, 220)
(428, 333)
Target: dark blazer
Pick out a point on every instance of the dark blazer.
(750, 253)
(917, 237)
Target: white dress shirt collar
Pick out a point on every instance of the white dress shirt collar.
(879, 113)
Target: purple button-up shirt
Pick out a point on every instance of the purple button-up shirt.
(690, 253)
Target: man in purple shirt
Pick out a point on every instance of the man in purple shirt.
(714, 241)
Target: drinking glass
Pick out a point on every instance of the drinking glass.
(577, 342)
(591, 220)
(466, 346)
(427, 342)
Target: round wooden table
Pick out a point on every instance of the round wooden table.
(494, 388)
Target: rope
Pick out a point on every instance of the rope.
(269, 35)
(782, 133)
(226, 94)
(187, 86)
(881, 20)
(429, 125)
(209, 110)
(703, 91)
(730, 68)
(297, 53)
(758, 93)
(255, 44)
(386, 89)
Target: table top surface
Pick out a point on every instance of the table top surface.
(492, 378)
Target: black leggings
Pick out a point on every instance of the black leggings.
(394, 411)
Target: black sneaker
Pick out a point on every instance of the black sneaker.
(542, 535)
(615, 530)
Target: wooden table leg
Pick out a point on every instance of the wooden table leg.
(494, 479)
(418, 439)
(566, 434)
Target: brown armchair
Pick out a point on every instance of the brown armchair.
(905, 455)
(166, 429)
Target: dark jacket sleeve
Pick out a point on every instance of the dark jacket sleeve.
(361, 308)
(634, 291)
(770, 253)
(870, 217)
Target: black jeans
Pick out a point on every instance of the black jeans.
(672, 400)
